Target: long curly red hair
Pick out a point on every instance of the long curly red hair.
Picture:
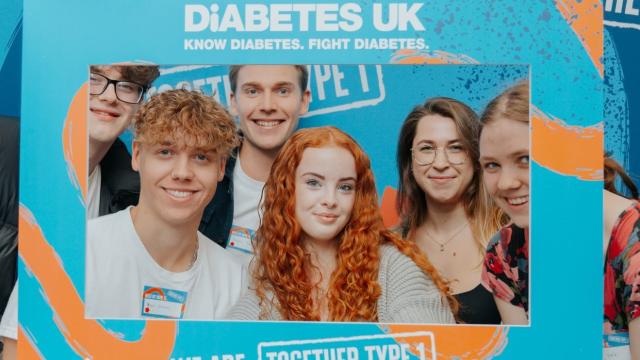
(281, 279)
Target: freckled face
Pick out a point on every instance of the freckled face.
(504, 157)
(325, 192)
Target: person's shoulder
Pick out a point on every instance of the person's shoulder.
(631, 214)
(217, 253)
(495, 239)
(106, 226)
(625, 234)
(394, 262)
(388, 252)
(503, 236)
(108, 219)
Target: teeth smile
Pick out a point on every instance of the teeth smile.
(103, 113)
(267, 123)
(518, 201)
(179, 194)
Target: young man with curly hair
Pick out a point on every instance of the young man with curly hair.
(150, 260)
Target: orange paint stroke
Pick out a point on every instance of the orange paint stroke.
(405, 56)
(390, 216)
(460, 342)
(26, 348)
(568, 150)
(74, 140)
(87, 337)
(585, 18)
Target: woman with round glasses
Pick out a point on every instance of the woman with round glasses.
(443, 207)
(322, 251)
(504, 157)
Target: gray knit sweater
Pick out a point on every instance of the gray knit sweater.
(408, 295)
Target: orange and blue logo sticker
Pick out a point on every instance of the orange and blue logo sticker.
(163, 303)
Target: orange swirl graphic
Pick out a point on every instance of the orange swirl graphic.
(406, 56)
(26, 347)
(74, 140)
(87, 337)
(388, 211)
(460, 342)
(585, 19)
(568, 150)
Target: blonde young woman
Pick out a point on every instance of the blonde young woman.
(504, 157)
(443, 206)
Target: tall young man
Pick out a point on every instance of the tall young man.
(150, 260)
(115, 94)
(268, 100)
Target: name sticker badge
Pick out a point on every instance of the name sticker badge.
(163, 303)
(240, 239)
(616, 347)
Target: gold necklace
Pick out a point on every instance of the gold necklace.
(443, 244)
(194, 257)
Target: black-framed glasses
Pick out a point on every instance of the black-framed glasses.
(426, 154)
(126, 91)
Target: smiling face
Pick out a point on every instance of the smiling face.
(176, 182)
(325, 182)
(109, 117)
(441, 181)
(268, 101)
(504, 157)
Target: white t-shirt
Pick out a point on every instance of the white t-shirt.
(9, 323)
(246, 219)
(124, 281)
(93, 193)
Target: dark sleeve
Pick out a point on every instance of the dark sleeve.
(218, 215)
(120, 184)
(9, 155)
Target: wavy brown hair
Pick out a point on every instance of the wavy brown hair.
(281, 259)
(612, 169)
(484, 217)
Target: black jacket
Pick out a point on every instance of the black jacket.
(120, 184)
(218, 215)
(9, 154)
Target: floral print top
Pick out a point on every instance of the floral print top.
(506, 266)
(622, 272)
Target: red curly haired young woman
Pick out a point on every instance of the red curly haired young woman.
(323, 253)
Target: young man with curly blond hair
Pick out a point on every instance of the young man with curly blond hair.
(150, 260)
